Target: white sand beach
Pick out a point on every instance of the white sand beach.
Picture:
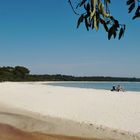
(88, 113)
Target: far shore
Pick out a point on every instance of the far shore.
(67, 113)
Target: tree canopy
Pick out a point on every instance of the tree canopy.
(17, 73)
(21, 73)
(96, 12)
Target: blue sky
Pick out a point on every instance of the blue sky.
(42, 35)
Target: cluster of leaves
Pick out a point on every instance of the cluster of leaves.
(96, 13)
(132, 6)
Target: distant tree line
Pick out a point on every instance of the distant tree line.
(60, 77)
(20, 73)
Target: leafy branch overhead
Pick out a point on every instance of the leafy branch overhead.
(96, 12)
(132, 6)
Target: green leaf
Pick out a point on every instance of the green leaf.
(104, 24)
(129, 2)
(81, 18)
(132, 6)
(86, 23)
(110, 32)
(136, 16)
(82, 2)
(92, 24)
(101, 8)
(116, 23)
(114, 34)
(109, 35)
(121, 33)
(137, 13)
(96, 21)
(88, 9)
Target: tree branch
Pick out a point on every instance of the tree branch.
(73, 7)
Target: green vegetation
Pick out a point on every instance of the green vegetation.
(20, 73)
(97, 12)
(17, 73)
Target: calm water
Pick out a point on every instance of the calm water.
(128, 86)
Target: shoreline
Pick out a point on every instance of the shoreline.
(20, 112)
(50, 83)
(54, 83)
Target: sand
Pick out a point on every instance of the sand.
(8, 132)
(87, 113)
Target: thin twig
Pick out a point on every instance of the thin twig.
(73, 8)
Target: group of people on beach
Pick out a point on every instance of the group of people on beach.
(117, 88)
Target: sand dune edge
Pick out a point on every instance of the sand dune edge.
(17, 125)
(8, 132)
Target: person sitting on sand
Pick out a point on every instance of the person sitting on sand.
(113, 88)
(119, 88)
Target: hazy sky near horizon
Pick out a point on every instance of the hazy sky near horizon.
(42, 35)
